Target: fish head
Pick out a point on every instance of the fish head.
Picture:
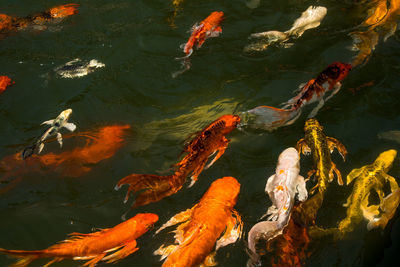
(215, 18)
(65, 114)
(225, 189)
(311, 124)
(337, 71)
(64, 11)
(146, 219)
(289, 158)
(231, 122)
(386, 158)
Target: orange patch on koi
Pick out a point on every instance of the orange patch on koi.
(4, 83)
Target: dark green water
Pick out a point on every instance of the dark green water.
(138, 47)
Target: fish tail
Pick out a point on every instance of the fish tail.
(265, 230)
(270, 118)
(365, 43)
(150, 188)
(26, 257)
(185, 66)
(28, 151)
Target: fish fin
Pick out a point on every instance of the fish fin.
(317, 108)
(95, 260)
(41, 146)
(70, 126)
(263, 230)
(348, 202)
(209, 260)
(269, 187)
(334, 143)
(271, 36)
(49, 122)
(165, 251)
(337, 172)
(215, 32)
(354, 174)
(369, 212)
(26, 257)
(177, 218)
(185, 65)
(129, 248)
(270, 118)
(28, 151)
(221, 151)
(388, 206)
(196, 172)
(57, 259)
(233, 231)
(59, 139)
(392, 181)
(301, 189)
(151, 188)
(303, 148)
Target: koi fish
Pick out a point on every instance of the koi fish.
(328, 80)
(382, 22)
(281, 188)
(10, 24)
(4, 83)
(209, 27)
(78, 68)
(209, 141)
(93, 246)
(100, 145)
(311, 18)
(320, 146)
(177, 6)
(390, 135)
(55, 127)
(368, 178)
(203, 225)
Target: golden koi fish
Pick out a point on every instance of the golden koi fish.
(320, 146)
(203, 225)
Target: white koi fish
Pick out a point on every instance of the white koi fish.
(281, 188)
(55, 126)
(311, 18)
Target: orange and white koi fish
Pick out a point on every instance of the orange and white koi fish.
(94, 246)
(328, 81)
(309, 19)
(209, 27)
(4, 83)
(209, 141)
(9, 24)
(281, 188)
(203, 225)
(100, 145)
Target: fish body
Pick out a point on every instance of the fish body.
(10, 24)
(368, 178)
(209, 141)
(93, 246)
(310, 18)
(209, 27)
(328, 81)
(320, 146)
(54, 129)
(78, 68)
(203, 225)
(281, 188)
(4, 83)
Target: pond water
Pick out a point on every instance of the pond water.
(138, 43)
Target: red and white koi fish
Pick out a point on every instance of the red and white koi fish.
(209, 27)
(282, 187)
(328, 80)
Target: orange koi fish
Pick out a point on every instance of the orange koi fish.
(209, 27)
(94, 246)
(10, 24)
(202, 226)
(5, 82)
(328, 80)
(209, 141)
(99, 146)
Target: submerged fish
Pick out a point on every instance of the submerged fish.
(9, 24)
(282, 187)
(121, 240)
(311, 18)
(4, 83)
(210, 224)
(54, 129)
(209, 27)
(390, 135)
(328, 81)
(78, 68)
(206, 143)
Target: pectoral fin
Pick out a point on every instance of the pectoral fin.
(177, 218)
(59, 139)
(49, 122)
(302, 147)
(70, 126)
(209, 260)
(301, 189)
(354, 174)
(233, 231)
(164, 251)
(334, 143)
(41, 146)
